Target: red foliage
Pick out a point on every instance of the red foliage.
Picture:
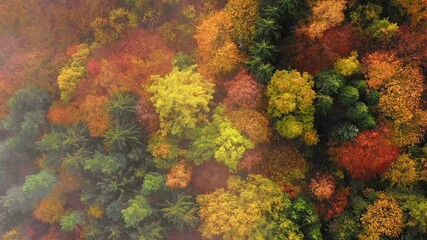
(316, 55)
(210, 176)
(335, 206)
(411, 45)
(147, 115)
(243, 91)
(371, 153)
(93, 67)
(250, 160)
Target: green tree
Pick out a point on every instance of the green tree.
(324, 103)
(138, 210)
(182, 211)
(291, 97)
(153, 182)
(122, 137)
(121, 107)
(329, 82)
(267, 29)
(264, 50)
(348, 95)
(181, 98)
(70, 221)
(105, 164)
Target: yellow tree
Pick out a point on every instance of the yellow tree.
(243, 14)
(384, 217)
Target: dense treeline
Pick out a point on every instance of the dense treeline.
(213, 119)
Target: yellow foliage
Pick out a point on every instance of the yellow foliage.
(384, 217)
(70, 76)
(406, 171)
(348, 66)
(243, 14)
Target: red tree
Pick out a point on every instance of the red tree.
(243, 91)
(371, 153)
(147, 115)
(316, 55)
(210, 176)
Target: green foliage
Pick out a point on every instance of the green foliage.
(348, 95)
(345, 132)
(182, 61)
(181, 99)
(291, 97)
(302, 213)
(344, 227)
(39, 184)
(348, 66)
(138, 210)
(202, 149)
(113, 210)
(181, 212)
(373, 97)
(153, 182)
(70, 76)
(165, 151)
(329, 82)
(324, 103)
(122, 137)
(106, 164)
(70, 221)
(267, 29)
(122, 107)
(150, 231)
(264, 50)
(382, 29)
(231, 145)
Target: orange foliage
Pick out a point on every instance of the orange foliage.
(50, 209)
(61, 114)
(325, 14)
(251, 123)
(322, 186)
(417, 9)
(371, 153)
(6, 91)
(217, 52)
(68, 182)
(179, 176)
(95, 113)
(401, 88)
(95, 211)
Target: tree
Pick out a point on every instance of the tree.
(70, 221)
(291, 97)
(153, 182)
(267, 28)
(264, 50)
(107, 30)
(104, 164)
(217, 51)
(251, 123)
(179, 176)
(371, 153)
(138, 209)
(348, 66)
(406, 171)
(329, 82)
(146, 115)
(70, 76)
(50, 209)
(326, 14)
(120, 138)
(243, 14)
(382, 30)
(230, 146)
(181, 212)
(416, 9)
(181, 99)
(241, 211)
(322, 186)
(348, 95)
(243, 91)
(384, 217)
(121, 107)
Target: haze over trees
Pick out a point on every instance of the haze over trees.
(213, 119)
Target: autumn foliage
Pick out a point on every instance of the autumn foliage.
(243, 91)
(179, 176)
(371, 153)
